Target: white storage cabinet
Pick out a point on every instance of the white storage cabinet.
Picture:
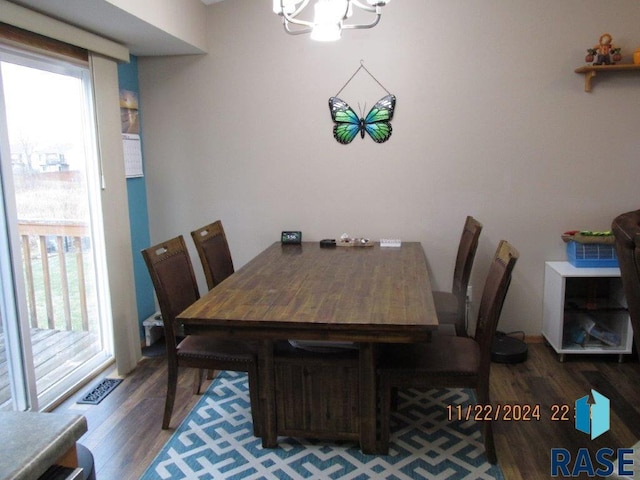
(585, 311)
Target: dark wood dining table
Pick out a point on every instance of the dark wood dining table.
(366, 295)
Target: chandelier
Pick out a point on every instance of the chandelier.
(330, 16)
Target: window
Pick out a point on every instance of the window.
(55, 313)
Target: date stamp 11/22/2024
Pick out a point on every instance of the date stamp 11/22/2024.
(510, 412)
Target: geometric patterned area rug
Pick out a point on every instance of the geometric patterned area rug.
(215, 441)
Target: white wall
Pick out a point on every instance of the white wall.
(183, 19)
(491, 120)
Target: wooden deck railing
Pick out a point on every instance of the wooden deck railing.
(54, 269)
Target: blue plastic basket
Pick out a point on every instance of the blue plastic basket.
(592, 254)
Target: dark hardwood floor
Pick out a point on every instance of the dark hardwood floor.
(125, 435)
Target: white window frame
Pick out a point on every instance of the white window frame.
(13, 308)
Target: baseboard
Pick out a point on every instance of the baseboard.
(534, 339)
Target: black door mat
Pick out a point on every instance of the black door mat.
(100, 391)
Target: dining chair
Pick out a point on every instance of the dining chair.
(213, 250)
(451, 307)
(450, 361)
(176, 288)
(626, 230)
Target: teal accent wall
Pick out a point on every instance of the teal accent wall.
(138, 212)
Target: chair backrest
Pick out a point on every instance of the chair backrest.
(493, 295)
(464, 260)
(213, 250)
(174, 281)
(626, 229)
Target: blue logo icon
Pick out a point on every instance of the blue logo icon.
(592, 417)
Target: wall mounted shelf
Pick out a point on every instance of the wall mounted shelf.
(590, 71)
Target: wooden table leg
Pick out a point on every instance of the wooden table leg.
(368, 399)
(266, 374)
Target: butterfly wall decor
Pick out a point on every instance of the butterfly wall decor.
(377, 123)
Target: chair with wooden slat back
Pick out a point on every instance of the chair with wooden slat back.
(213, 250)
(626, 229)
(451, 361)
(176, 288)
(451, 306)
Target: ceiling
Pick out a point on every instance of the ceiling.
(107, 20)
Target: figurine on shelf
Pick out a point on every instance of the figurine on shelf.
(605, 53)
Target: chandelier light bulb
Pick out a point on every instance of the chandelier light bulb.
(328, 16)
(326, 32)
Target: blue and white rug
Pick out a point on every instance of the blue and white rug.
(215, 441)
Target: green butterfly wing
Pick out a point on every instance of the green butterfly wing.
(379, 132)
(345, 132)
(376, 124)
(382, 110)
(347, 124)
